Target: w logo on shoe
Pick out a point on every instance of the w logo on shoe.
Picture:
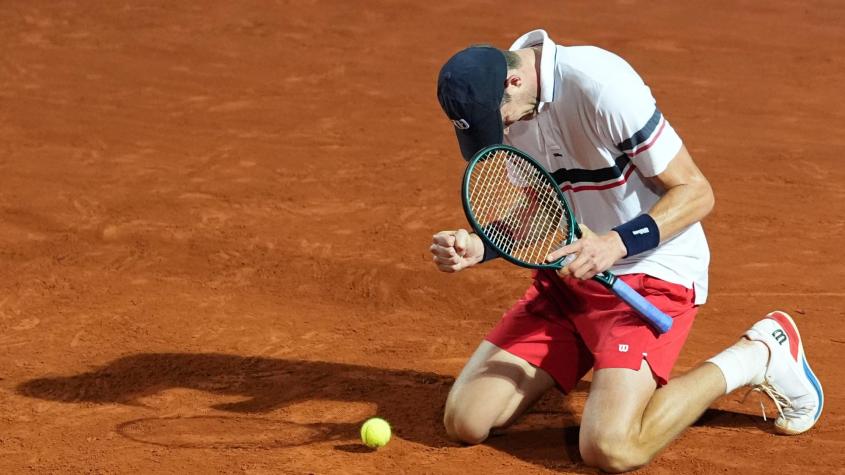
(780, 336)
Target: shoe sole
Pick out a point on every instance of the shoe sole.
(814, 381)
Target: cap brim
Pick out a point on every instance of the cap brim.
(486, 131)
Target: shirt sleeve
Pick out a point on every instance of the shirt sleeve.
(630, 122)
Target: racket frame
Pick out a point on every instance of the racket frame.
(573, 230)
(478, 228)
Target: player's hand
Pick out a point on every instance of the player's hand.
(593, 253)
(456, 250)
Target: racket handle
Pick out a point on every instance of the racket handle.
(653, 315)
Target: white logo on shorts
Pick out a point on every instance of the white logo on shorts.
(623, 348)
(460, 124)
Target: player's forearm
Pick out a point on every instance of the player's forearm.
(682, 206)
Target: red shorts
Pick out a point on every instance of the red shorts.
(568, 326)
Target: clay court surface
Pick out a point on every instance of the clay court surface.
(214, 222)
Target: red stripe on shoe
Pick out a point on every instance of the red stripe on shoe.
(790, 330)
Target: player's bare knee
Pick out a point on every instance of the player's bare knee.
(469, 433)
(614, 461)
(463, 420)
(461, 426)
(614, 454)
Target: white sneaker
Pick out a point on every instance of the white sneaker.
(788, 379)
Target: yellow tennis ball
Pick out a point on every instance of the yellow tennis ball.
(375, 432)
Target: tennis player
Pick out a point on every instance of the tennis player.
(590, 120)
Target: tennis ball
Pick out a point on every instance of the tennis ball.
(375, 432)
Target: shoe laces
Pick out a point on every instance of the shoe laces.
(781, 400)
(796, 411)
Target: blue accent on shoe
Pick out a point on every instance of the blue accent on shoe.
(816, 385)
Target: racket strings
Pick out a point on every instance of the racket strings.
(517, 206)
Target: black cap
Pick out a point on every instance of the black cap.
(470, 89)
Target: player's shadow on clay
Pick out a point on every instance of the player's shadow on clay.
(412, 401)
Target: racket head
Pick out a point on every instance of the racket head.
(515, 206)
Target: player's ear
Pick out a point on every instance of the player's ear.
(513, 80)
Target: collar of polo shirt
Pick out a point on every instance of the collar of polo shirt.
(548, 52)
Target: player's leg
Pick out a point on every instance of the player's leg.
(531, 349)
(494, 389)
(627, 420)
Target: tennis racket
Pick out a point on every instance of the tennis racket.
(518, 209)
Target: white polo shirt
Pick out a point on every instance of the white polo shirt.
(599, 132)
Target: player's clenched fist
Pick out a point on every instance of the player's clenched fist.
(456, 250)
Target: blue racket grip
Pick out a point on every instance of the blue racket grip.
(656, 318)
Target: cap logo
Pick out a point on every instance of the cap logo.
(460, 124)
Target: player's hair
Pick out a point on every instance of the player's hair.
(512, 59)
